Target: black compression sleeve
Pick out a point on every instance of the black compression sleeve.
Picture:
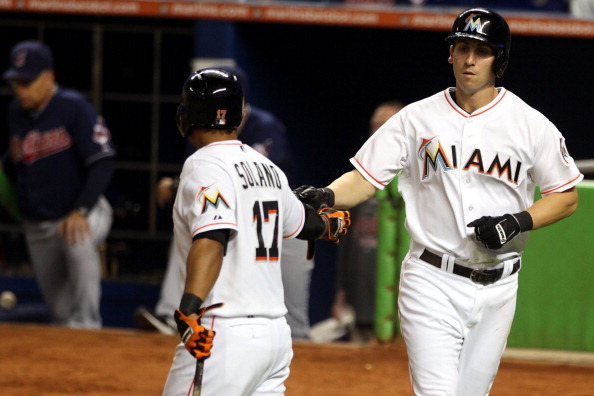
(313, 226)
(221, 236)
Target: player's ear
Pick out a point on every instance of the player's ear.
(450, 61)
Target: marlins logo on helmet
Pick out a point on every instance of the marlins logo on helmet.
(472, 24)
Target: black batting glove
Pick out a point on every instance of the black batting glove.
(315, 197)
(494, 232)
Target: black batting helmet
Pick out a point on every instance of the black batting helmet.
(488, 26)
(211, 98)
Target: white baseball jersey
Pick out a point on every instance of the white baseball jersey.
(228, 185)
(457, 167)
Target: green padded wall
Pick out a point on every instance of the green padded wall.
(392, 246)
(556, 292)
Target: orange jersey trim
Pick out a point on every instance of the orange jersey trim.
(235, 143)
(448, 97)
(561, 186)
(299, 227)
(368, 174)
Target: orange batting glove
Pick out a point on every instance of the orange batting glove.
(197, 339)
(337, 223)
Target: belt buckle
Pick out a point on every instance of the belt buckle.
(480, 277)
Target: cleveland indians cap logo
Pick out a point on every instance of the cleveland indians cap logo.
(20, 59)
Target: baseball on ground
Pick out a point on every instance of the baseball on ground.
(7, 300)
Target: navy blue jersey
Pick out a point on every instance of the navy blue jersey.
(52, 150)
(266, 134)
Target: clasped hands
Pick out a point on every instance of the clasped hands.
(493, 232)
(322, 200)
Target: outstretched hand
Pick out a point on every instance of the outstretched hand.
(317, 198)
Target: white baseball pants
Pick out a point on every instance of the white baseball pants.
(250, 356)
(455, 330)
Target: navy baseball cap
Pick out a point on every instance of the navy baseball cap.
(28, 59)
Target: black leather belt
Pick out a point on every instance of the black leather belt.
(483, 277)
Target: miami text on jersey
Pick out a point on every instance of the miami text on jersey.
(434, 156)
(257, 174)
(36, 145)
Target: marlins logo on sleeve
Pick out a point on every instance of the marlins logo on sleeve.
(213, 208)
(210, 197)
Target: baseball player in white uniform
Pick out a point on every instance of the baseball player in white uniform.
(265, 133)
(233, 208)
(469, 160)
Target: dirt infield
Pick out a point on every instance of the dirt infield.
(49, 361)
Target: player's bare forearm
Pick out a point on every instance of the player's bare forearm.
(204, 265)
(351, 189)
(553, 207)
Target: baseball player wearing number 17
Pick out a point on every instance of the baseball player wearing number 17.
(469, 159)
(232, 210)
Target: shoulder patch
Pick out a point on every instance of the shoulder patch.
(211, 197)
(101, 133)
(564, 153)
